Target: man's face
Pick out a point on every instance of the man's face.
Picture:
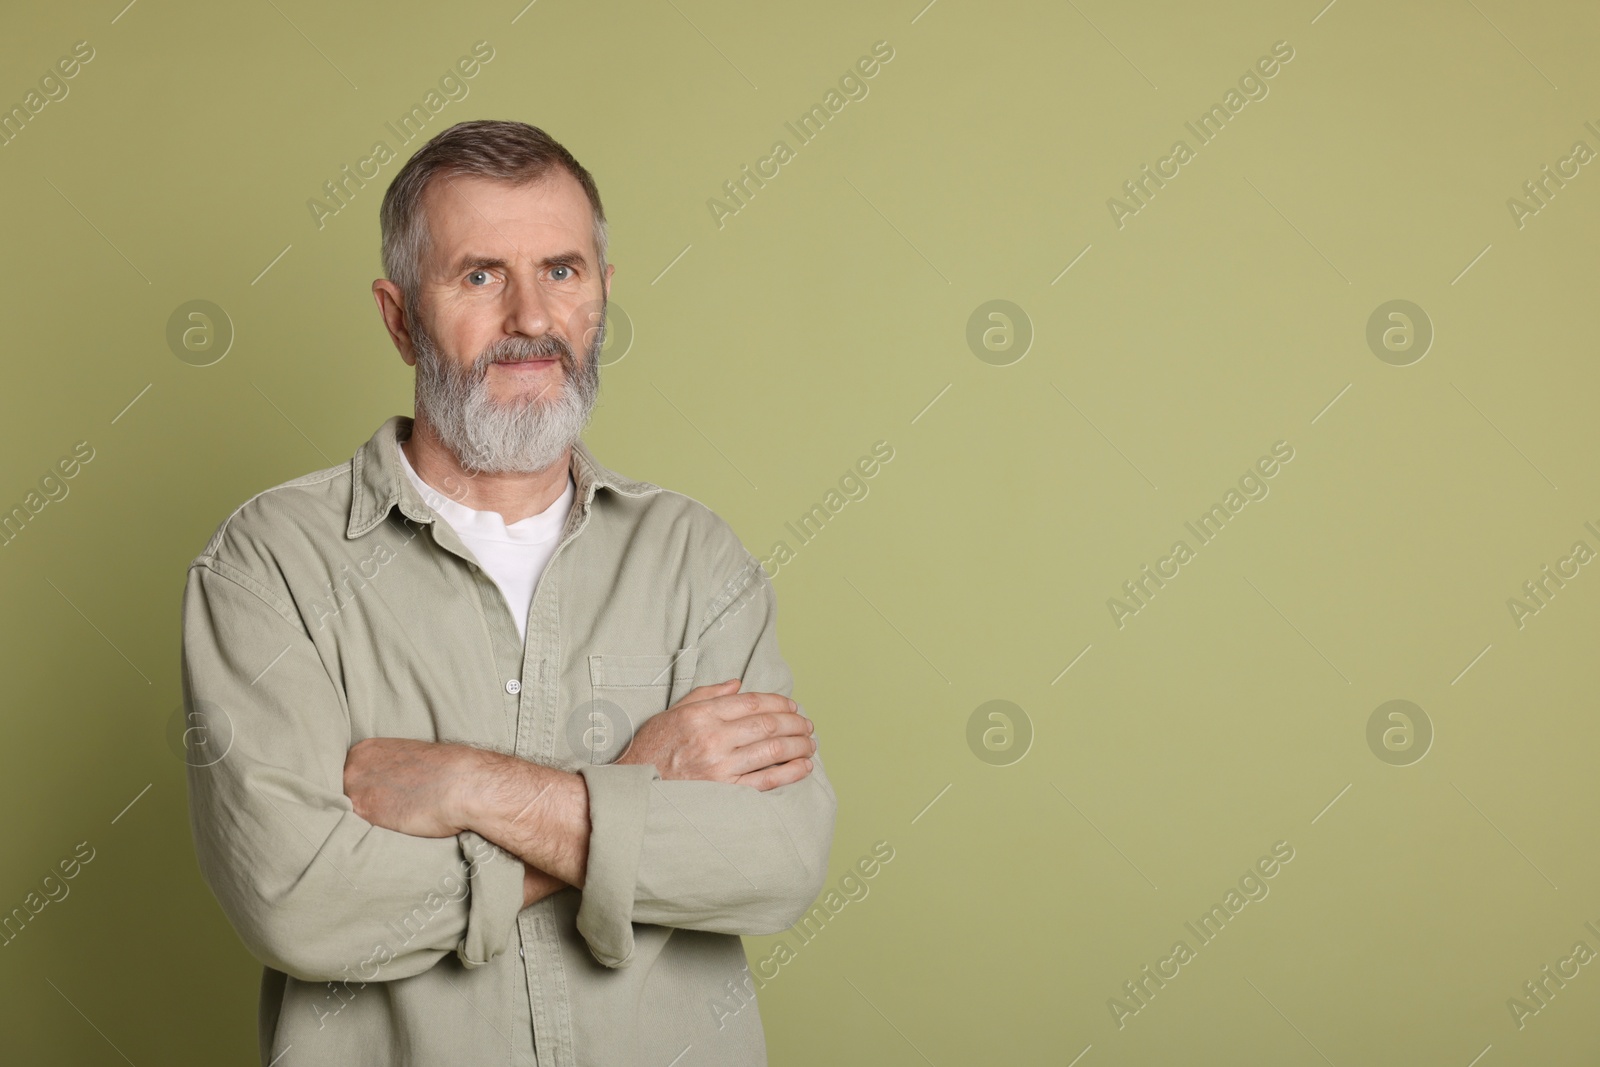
(508, 333)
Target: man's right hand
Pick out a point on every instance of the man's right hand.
(718, 734)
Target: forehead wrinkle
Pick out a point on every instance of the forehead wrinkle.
(468, 201)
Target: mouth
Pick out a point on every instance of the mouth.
(528, 363)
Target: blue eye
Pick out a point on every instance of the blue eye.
(474, 274)
(567, 269)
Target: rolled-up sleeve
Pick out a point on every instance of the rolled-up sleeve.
(705, 855)
(312, 889)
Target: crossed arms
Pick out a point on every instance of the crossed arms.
(540, 814)
(320, 851)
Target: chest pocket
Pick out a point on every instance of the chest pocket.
(625, 691)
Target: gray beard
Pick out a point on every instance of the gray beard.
(521, 436)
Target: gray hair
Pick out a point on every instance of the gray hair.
(505, 151)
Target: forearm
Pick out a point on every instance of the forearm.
(700, 855)
(536, 884)
(732, 860)
(534, 812)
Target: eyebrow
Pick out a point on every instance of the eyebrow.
(470, 261)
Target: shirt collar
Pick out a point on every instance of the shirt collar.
(378, 483)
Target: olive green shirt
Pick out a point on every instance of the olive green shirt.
(337, 607)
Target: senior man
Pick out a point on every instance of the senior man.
(492, 754)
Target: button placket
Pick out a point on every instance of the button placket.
(537, 727)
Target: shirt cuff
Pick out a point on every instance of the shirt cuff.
(619, 800)
(494, 899)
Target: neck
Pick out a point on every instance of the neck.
(515, 495)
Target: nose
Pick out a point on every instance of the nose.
(527, 310)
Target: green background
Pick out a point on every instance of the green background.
(830, 313)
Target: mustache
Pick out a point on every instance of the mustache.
(522, 349)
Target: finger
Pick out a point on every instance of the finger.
(766, 753)
(739, 705)
(753, 728)
(773, 777)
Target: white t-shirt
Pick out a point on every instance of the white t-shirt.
(514, 555)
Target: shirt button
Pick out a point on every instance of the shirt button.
(522, 952)
(514, 686)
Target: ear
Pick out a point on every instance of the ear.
(391, 305)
